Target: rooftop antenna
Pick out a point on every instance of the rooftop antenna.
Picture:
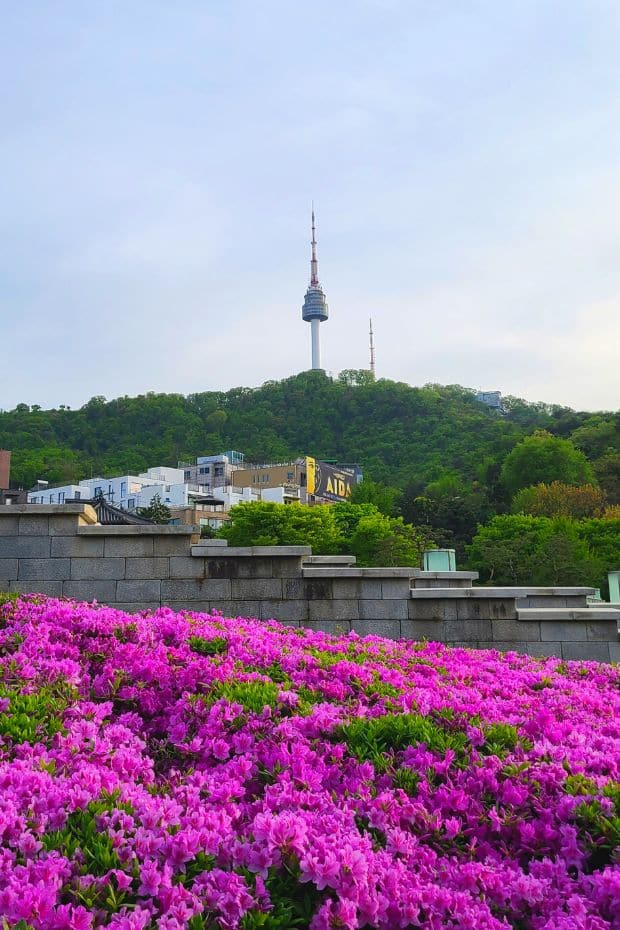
(372, 352)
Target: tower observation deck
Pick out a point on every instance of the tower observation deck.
(314, 310)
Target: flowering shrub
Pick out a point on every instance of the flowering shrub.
(185, 771)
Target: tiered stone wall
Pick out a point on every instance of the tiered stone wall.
(62, 551)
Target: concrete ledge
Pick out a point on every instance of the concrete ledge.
(138, 529)
(337, 573)
(49, 510)
(326, 560)
(568, 613)
(244, 552)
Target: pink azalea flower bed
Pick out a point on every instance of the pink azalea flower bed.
(186, 771)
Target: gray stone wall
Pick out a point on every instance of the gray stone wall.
(61, 551)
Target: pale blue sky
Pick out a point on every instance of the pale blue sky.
(158, 160)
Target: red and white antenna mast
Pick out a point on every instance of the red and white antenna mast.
(372, 351)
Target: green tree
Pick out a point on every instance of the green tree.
(382, 496)
(381, 540)
(269, 524)
(524, 550)
(157, 511)
(560, 500)
(543, 458)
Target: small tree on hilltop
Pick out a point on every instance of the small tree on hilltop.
(156, 511)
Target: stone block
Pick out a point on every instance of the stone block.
(34, 525)
(352, 588)
(8, 570)
(296, 611)
(431, 630)
(172, 545)
(138, 591)
(83, 569)
(245, 609)
(602, 630)
(516, 630)
(49, 588)
(195, 589)
(9, 523)
(222, 568)
(154, 568)
(102, 591)
(472, 608)
(82, 547)
(318, 589)
(392, 588)
(341, 609)
(333, 627)
(383, 610)
(390, 629)
(44, 569)
(257, 588)
(289, 567)
(293, 589)
(468, 631)
(24, 547)
(63, 524)
(614, 652)
(591, 652)
(128, 546)
(420, 609)
(255, 568)
(185, 566)
(572, 631)
(540, 650)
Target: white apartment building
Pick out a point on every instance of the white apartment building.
(128, 491)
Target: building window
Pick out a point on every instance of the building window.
(61, 497)
(123, 488)
(290, 475)
(78, 495)
(188, 475)
(52, 498)
(131, 503)
(98, 492)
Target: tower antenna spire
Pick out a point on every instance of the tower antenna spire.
(314, 264)
(372, 352)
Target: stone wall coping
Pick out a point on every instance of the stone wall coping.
(326, 560)
(336, 573)
(47, 509)
(218, 543)
(50, 510)
(476, 593)
(236, 552)
(568, 613)
(138, 529)
(440, 576)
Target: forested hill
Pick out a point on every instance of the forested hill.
(402, 435)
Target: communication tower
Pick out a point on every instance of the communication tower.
(314, 310)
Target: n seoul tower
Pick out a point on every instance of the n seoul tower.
(314, 310)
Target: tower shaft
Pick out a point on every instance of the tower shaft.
(316, 348)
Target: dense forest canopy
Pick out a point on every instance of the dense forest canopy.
(403, 436)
